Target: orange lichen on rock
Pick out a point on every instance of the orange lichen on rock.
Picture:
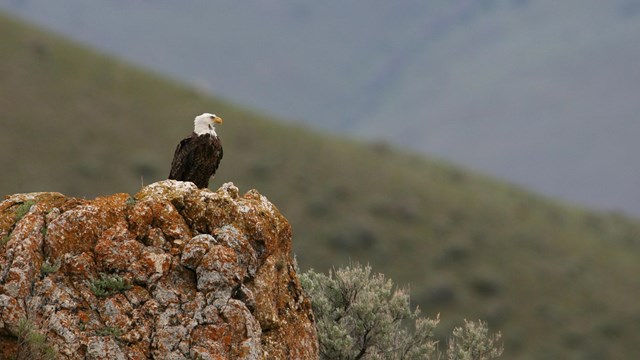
(194, 274)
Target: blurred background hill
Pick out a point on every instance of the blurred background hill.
(539, 92)
(557, 280)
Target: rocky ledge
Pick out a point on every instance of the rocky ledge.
(173, 272)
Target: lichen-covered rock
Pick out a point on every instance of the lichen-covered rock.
(174, 272)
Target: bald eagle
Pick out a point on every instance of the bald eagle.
(197, 157)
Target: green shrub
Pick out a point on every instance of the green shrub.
(48, 268)
(23, 209)
(31, 344)
(108, 285)
(5, 239)
(473, 342)
(115, 332)
(359, 315)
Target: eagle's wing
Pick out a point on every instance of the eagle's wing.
(218, 155)
(209, 154)
(181, 159)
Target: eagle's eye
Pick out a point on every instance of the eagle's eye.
(211, 117)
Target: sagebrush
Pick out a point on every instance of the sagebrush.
(359, 315)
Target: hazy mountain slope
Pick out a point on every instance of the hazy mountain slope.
(558, 281)
(543, 95)
(539, 92)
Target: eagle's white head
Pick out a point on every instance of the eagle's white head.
(205, 124)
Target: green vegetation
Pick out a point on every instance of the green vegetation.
(5, 239)
(31, 344)
(108, 284)
(361, 316)
(20, 211)
(131, 201)
(49, 268)
(115, 332)
(557, 281)
(23, 209)
(473, 341)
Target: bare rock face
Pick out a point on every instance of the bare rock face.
(173, 273)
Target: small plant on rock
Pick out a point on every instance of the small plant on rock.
(31, 344)
(23, 209)
(108, 285)
(49, 268)
(4, 240)
(116, 332)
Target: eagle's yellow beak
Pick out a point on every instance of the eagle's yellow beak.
(217, 120)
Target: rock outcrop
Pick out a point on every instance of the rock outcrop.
(172, 273)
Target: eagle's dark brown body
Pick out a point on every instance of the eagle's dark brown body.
(196, 159)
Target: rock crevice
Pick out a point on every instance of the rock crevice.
(173, 272)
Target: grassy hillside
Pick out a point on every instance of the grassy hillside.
(560, 282)
(543, 92)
